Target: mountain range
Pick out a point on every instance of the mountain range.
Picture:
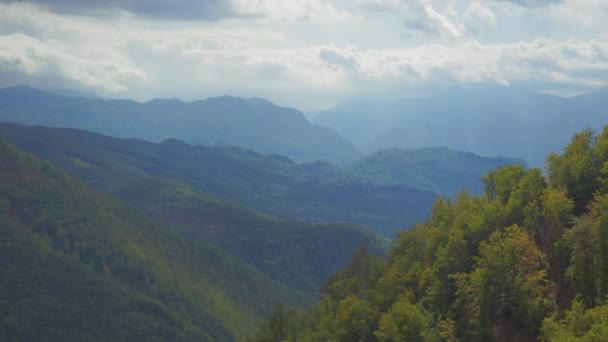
(489, 120)
(251, 123)
(272, 184)
(116, 238)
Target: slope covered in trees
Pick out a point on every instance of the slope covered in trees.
(251, 123)
(300, 255)
(81, 266)
(526, 259)
(439, 170)
(272, 184)
(387, 191)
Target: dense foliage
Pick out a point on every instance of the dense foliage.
(300, 255)
(81, 266)
(439, 170)
(527, 259)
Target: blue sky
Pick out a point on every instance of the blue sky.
(309, 54)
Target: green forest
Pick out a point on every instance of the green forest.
(77, 265)
(526, 260)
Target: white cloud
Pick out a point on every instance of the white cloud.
(532, 3)
(421, 17)
(292, 10)
(582, 12)
(134, 58)
(380, 5)
(443, 23)
(48, 60)
(478, 10)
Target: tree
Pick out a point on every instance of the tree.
(577, 169)
(355, 320)
(508, 286)
(406, 321)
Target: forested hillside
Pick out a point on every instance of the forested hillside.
(298, 254)
(440, 170)
(527, 259)
(272, 184)
(387, 191)
(80, 266)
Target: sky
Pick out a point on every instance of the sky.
(307, 54)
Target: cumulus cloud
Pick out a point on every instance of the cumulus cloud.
(380, 5)
(176, 9)
(293, 10)
(478, 10)
(33, 60)
(333, 56)
(203, 10)
(588, 13)
(135, 59)
(420, 16)
(533, 3)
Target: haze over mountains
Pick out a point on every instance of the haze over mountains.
(317, 192)
(489, 120)
(249, 230)
(261, 221)
(251, 123)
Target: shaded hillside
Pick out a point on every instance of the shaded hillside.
(272, 184)
(489, 120)
(251, 123)
(79, 266)
(439, 170)
(297, 254)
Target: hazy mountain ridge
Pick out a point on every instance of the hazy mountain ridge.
(439, 170)
(251, 123)
(271, 184)
(489, 120)
(386, 191)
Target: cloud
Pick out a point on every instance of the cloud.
(380, 5)
(443, 23)
(157, 9)
(201, 10)
(532, 3)
(30, 60)
(343, 59)
(585, 13)
(292, 10)
(476, 9)
(420, 16)
(143, 59)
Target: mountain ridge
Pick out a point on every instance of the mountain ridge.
(272, 184)
(490, 120)
(252, 123)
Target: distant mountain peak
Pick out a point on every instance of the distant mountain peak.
(23, 89)
(252, 123)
